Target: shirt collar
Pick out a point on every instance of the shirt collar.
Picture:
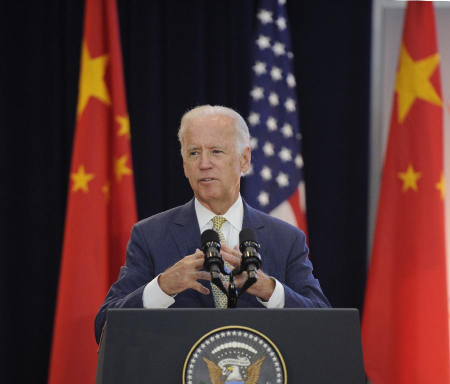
(235, 215)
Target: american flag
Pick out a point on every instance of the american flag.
(274, 183)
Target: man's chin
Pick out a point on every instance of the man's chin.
(207, 197)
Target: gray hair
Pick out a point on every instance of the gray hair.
(242, 133)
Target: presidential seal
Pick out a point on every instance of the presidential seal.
(234, 355)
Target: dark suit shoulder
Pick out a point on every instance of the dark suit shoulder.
(169, 217)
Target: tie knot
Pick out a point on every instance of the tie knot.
(218, 222)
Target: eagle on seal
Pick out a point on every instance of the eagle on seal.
(233, 373)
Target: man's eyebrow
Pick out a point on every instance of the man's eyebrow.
(218, 147)
(193, 147)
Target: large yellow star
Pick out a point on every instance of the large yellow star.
(124, 123)
(121, 168)
(441, 186)
(92, 82)
(409, 178)
(81, 179)
(413, 81)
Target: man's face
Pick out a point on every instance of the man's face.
(212, 162)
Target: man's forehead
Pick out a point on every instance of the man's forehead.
(213, 120)
(220, 124)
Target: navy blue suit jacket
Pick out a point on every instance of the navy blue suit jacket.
(158, 242)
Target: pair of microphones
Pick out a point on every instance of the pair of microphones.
(213, 261)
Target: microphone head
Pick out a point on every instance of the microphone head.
(209, 235)
(247, 234)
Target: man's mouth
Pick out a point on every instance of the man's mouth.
(206, 179)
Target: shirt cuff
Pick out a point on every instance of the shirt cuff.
(154, 296)
(277, 298)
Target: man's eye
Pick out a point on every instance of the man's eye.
(217, 151)
(193, 153)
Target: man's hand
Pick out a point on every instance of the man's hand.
(184, 275)
(264, 286)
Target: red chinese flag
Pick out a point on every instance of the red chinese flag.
(405, 321)
(101, 201)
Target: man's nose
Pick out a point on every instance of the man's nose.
(205, 161)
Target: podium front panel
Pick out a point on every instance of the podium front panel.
(152, 345)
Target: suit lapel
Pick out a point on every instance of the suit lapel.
(186, 233)
(252, 220)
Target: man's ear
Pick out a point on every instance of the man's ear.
(246, 157)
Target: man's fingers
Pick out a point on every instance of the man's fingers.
(200, 288)
(197, 264)
(203, 275)
(232, 251)
(233, 260)
(198, 254)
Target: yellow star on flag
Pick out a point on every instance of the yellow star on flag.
(106, 191)
(124, 123)
(409, 178)
(81, 179)
(441, 186)
(413, 81)
(92, 82)
(121, 168)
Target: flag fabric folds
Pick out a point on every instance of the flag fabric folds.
(275, 184)
(405, 319)
(101, 206)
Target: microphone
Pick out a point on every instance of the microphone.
(213, 262)
(249, 246)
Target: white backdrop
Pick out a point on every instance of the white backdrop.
(387, 28)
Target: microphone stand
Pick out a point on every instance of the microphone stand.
(232, 293)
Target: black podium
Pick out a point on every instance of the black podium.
(160, 346)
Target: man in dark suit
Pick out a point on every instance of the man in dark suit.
(164, 264)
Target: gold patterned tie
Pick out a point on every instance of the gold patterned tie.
(220, 299)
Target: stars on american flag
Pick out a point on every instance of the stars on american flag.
(285, 155)
(268, 149)
(287, 131)
(266, 173)
(290, 104)
(290, 80)
(278, 49)
(254, 118)
(263, 199)
(271, 124)
(265, 17)
(273, 99)
(273, 120)
(260, 68)
(263, 42)
(276, 73)
(257, 93)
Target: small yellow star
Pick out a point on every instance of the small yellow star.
(121, 168)
(106, 190)
(409, 178)
(124, 123)
(92, 82)
(81, 179)
(413, 81)
(441, 186)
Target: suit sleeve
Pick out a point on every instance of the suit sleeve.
(302, 290)
(127, 291)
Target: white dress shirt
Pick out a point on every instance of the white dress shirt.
(154, 297)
